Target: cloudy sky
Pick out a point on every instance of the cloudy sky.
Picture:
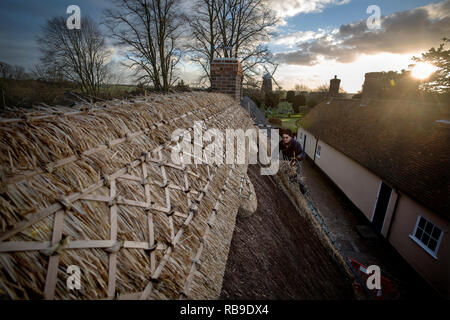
(316, 39)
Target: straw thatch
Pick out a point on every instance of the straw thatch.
(93, 186)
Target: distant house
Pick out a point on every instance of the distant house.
(392, 160)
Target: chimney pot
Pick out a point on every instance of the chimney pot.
(334, 87)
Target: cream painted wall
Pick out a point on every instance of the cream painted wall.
(359, 184)
(435, 271)
(310, 142)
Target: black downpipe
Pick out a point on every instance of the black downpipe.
(315, 150)
(393, 215)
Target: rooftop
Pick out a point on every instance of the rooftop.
(403, 142)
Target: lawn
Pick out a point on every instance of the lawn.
(285, 113)
(288, 122)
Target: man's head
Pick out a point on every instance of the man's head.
(286, 136)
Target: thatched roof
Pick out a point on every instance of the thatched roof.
(93, 186)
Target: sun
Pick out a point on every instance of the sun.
(423, 70)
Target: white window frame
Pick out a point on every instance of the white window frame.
(421, 244)
(318, 150)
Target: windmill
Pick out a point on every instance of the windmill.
(268, 78)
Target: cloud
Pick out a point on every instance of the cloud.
(439, 10)
(291, 39)
(404, 32)
(290, 8)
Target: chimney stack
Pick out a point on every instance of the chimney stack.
(373, 84)
(226, 77)
(334, 87)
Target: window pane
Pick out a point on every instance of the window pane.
(425, 238)
(436, 233)
(432, 244)
(422, 223)
(428, 227)
(419, 233)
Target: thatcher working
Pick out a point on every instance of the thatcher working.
(292, 151)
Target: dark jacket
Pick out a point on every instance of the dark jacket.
(292, 150)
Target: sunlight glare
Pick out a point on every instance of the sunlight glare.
(423, 70)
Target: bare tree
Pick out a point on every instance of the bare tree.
(20, 73)
(242, 25)
(301, 87)
(15, 72)
(324, 88)
(79, 54)
(6, 70)
(47, 73)
(148, 31)
(204, 31)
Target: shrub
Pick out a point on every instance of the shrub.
(256, 95)
(276, 122)
(312, 103)
(299, 100)
(290, 96)
(284, 108)
(281, 94)
(271, 100)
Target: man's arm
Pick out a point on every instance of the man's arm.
(299, 151)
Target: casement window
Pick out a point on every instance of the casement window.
(318, 151)
(427, 235)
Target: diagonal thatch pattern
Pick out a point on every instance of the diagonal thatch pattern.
(94, 187)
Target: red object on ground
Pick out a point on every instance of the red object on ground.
(386, 285)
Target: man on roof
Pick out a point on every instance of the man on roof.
(290, 147)
(292, 151)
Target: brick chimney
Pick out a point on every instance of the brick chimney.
(226, 77)
(373, 84)
(334, 87)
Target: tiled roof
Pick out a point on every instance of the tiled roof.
(403, 142)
